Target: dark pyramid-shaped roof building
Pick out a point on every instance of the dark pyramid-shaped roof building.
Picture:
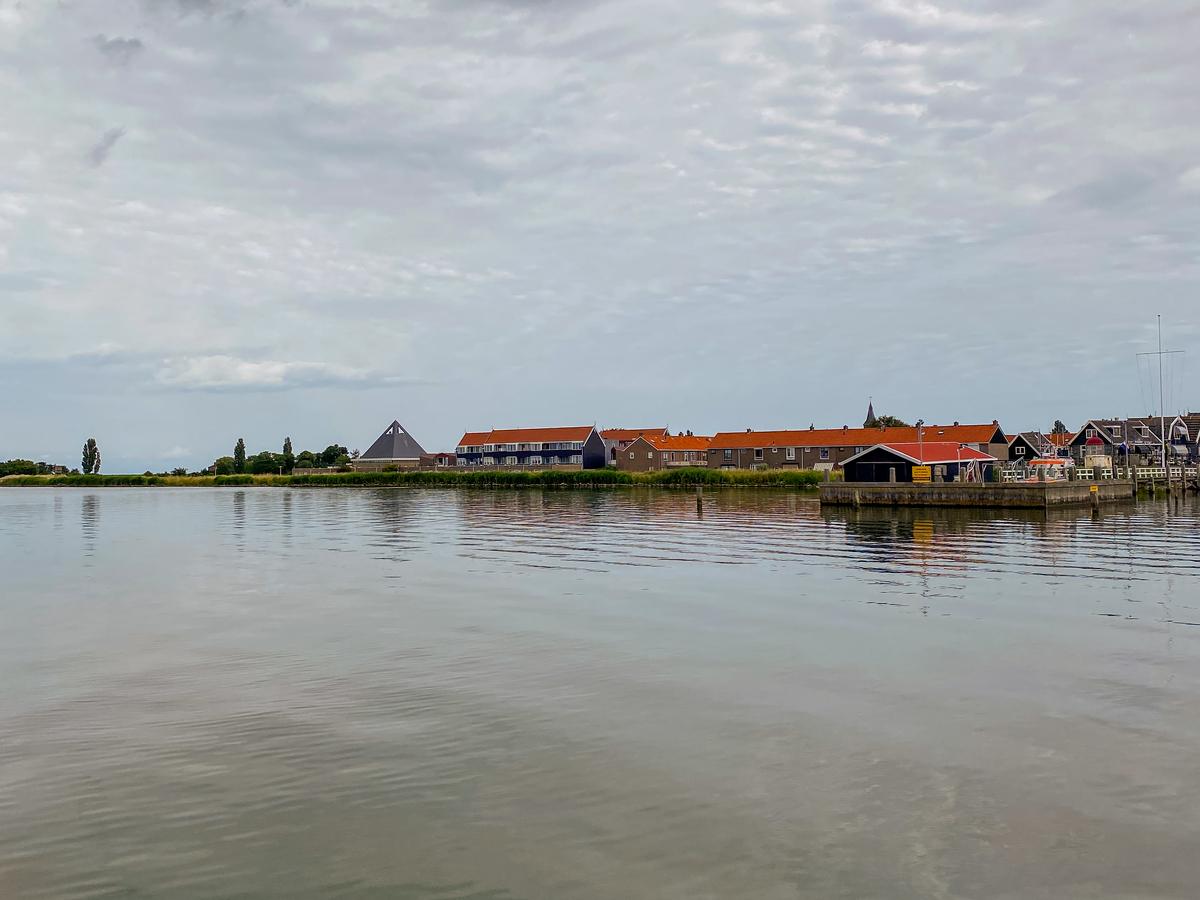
(395, 444)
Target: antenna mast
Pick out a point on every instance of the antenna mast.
(1162, 413)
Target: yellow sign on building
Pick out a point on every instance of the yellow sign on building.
(922, 474)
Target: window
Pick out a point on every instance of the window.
(535, 460)
(631, 456)
(1116, 430)
(489, 460)
(791, 453)
(824, 453)
(1091, 432)
(728, 456)
(758, 454)
(650, 455)
(1020, 451)
(578, 460)
(461, 461)
(774, 449)
(510, 460)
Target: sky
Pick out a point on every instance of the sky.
(307, 218)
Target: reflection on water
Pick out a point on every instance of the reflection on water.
(89, 521)
(434, 695)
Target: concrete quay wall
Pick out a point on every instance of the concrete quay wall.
(1003, 496)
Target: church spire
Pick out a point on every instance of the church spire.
(871, 421)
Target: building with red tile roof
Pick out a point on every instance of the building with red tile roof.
(654, 452)
(948, 460)
(617, 439)
(576, 446)
(825, 448)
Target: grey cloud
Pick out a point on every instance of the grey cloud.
(118, 50)
(1116, 189)
(221, 372)
(493, 191)
(99, 152)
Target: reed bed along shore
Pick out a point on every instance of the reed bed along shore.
(494, 478)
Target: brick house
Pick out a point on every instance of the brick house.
(617, 439)
(829, 448)
(655, 452)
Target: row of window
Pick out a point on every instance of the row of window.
(519, 448)
(789, 453)
(675, 455)
(575, 459)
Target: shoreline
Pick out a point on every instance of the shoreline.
(586, 479)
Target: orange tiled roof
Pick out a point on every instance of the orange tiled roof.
(629, 434)
(678, 441)
(937, 452)
(526, 435)
(1061, 440)
(851, 437)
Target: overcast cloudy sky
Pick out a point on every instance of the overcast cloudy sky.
(309, 217)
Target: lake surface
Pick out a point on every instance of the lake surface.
(367, 694)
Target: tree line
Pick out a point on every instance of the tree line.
(266, 462)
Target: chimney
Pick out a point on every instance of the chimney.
(995, 421)
(845, 428)
(748, 430)
(956, 422)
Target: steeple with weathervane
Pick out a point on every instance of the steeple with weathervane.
(871, 421)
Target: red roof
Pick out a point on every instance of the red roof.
(573, 433)
(677, 441)
(629, 434)
(852, 437)
(934, 453)
(1061, 440)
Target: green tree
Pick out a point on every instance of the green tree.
(18, 467)
(289, 458)
(1059, 427)
(239, 456)
(891, 422)
(331, 455)
(307, 460)
(265, 463)
(223, 466)
(91, 457)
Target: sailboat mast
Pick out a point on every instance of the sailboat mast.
(1162, 415)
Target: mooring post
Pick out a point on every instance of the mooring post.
(700, 499)
(892, 475)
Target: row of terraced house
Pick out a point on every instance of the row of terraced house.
(1137, 440)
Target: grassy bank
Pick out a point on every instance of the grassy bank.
(588, 479)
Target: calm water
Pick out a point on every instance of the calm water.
(434, 695)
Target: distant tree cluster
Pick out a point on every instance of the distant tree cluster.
(268, 463)
(25, 467)
(891, 422)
